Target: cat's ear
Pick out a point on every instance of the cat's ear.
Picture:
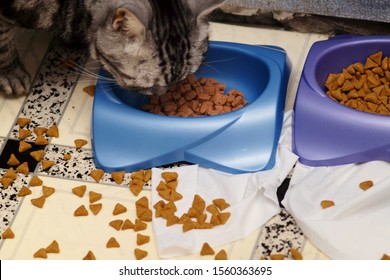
(203, 7)
(126, 21)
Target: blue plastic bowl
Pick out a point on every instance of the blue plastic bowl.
(245, 140)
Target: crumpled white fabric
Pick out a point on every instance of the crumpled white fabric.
(358, 226)
(252, 198)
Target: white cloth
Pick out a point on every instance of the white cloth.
(358, 226)
(252, 198)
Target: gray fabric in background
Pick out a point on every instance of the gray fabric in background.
(377, 10)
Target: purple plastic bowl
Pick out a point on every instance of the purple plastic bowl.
(325, 132)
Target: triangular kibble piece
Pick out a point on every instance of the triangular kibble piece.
(221, 203)
(53, 131)
(377, 57)
(139, 225)
(24, 133)
(215, 221)
(142, 239)
(10, 174)
(385, 257)
(135, 188)
(48, 191)
(138, 175)
(224, 217)
(41, 254)
(8, 234)
(127, 224)
(166, 194)
(147, 175)
(222, 255)
(24, 146)
(23, 122)
(198, 203)
(81, 211)
(6, 182)
(90, 90)
(97, 174)
(118, 176)
(147, 215)
(95, 208)
(94, 196)
(67, 157)
(172, 185)
(142, 202)
(89, 256)
(79, 143)
(46, 164)
(188, 226)
(41, 141)
(53, 248)
(23, 168)
(24, 191)
(38, 202)
(80, 190)
(112, 243)
(162, 187)
(140, 254)
(206, 250)
(38, 155)
(116, 224)
(39, 131)
(212, 208)
(119, 209)
(175, 196)
(172, 220)
(13, 161)
(370, 64)
(35, 181)
(169, 176)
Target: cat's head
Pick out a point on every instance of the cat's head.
(149, 45)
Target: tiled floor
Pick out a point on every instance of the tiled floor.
(58, 98)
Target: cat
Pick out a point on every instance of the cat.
(146, 45)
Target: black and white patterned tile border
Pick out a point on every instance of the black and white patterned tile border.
(278, 236)
(52, 88)
(78, 167)
(9, 200)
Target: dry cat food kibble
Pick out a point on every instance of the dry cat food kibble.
(8, 234)
(95, 208)
(195, 217)
(296, 255)
(221, 255)
(112, 243)
(327, 203)
(363, 87)
(194, 98)
(206, 250)
(140, 254)
(366, 185)
(89, 256)
(52, 248)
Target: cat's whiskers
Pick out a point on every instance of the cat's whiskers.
(218, 61)
(83, 71)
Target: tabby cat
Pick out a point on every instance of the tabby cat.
(145, 44)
